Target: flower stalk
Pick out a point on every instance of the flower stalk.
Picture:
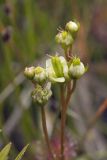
(63, 119)
(70, 91)
(46, 132)
(64, 106)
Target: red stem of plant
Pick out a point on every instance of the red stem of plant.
(45, 131)
(64, 104)
(70, 91)
(63, 119)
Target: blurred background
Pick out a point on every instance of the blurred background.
(27, 31)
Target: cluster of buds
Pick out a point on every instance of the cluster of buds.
(40, 94)
(58, 69)
(36, 74)
(66, 37)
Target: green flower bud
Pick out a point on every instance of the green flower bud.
(72, 26)
(64, 38)
(57, 69)
(29, 72)
(76, 68)
(41, 95)
(40, 75)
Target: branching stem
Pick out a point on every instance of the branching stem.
(64, 105)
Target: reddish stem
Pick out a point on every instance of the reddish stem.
(70, 91)
(63, 119)
(45, 131)
(64, 105)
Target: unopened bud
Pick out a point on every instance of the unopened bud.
(41, 95)
(72, 26)
(29, 72)
(40, 75)
(76, 69)
(64, 38)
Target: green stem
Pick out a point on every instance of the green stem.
(45, 131)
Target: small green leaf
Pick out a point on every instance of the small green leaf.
(5, 151)
(20, 155)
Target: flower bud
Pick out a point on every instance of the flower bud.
(76, 69)
(57, 69)
(64, 38)
(72, 26)
(40, 75)
(41, 95)
(29, 72)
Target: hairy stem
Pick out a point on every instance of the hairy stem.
(45, 131)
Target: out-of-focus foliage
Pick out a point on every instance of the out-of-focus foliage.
(27, 31)
(4, 153)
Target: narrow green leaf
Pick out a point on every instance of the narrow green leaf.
(20, 155)
(5, 151)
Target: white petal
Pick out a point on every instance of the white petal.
(49, 68)
(65, 66)
(61, 79)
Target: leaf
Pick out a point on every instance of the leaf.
(20, 155)
(5, 151)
